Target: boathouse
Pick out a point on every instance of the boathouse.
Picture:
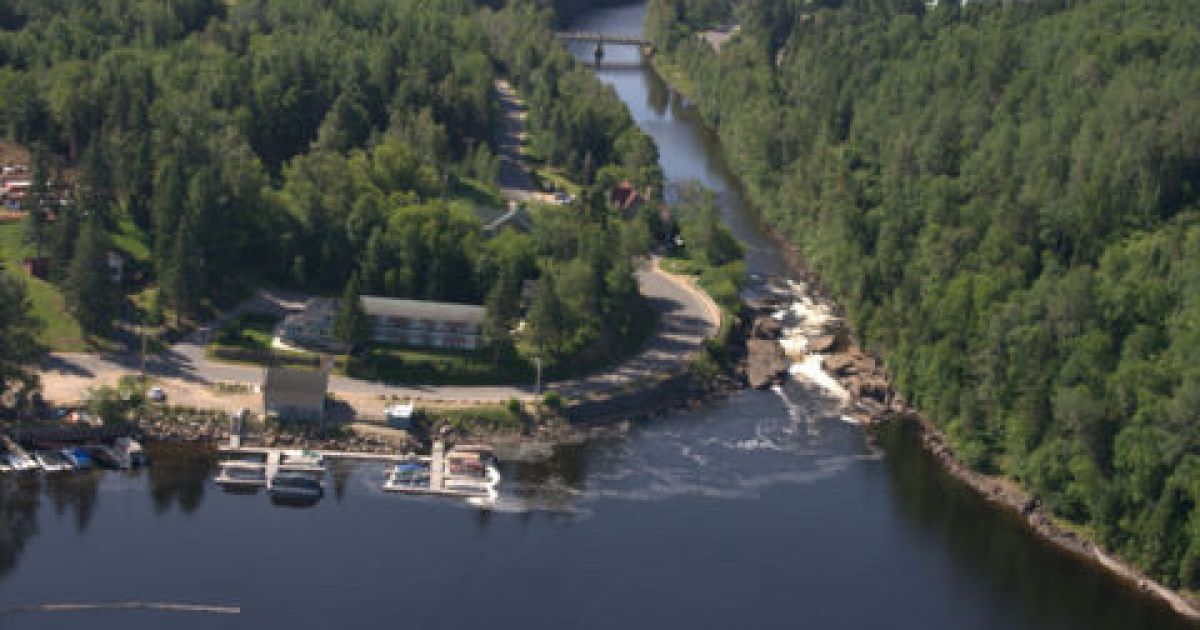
(295, 394)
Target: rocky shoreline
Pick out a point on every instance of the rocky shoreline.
(808, 328)
(856, 373)
(1009, 495)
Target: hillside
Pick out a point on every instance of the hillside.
(1004, 196)
(220, 146)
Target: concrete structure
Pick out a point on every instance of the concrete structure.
(394, 321)
(295, 394)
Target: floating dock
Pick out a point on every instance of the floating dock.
(444, 483)
(441, 481)
(273, 462)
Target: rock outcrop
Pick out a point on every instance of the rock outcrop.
(766, 363)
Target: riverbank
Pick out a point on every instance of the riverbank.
(856, 372)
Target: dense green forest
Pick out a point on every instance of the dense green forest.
(1004, 197)
(222, 145)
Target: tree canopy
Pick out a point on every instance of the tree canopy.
(303, 142)
(18, 338)
(1005, 197)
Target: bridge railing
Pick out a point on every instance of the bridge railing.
(602, 38)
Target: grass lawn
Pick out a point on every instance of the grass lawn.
(673, 75)
(433, 366)
(545, 176)
(477, 193)
(552, 178)
(252, 331)
(492, 418)
(130, 239)
(61, 331)
(247, 339)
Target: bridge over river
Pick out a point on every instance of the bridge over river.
(603, 39)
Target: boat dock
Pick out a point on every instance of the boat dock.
(276, 453)
(273, 460)
(442, 482)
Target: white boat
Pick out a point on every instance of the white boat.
(301, 459)
(20, 462)
(236, 474)
(467, 472)
(296, 487)
(53, 461)
(129, 452)
(409, 476)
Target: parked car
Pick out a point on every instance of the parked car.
(157, 394)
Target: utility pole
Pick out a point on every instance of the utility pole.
(142, 331)
(537, 383)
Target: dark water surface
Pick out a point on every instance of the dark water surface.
(766, 511)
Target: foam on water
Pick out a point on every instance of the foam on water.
(733, 451)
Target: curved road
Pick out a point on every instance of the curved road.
(686, 317)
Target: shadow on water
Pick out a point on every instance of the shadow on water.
(178, 475)
(992, 543)
(21, 499)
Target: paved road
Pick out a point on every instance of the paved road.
(686, 318)
(513, 180)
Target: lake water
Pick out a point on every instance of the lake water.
(765, 510)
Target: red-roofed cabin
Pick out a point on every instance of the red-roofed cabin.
(625, 197)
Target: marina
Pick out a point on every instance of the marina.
(126, 453)
(459, 472)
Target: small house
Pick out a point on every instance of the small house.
(314, 325)
(295, 394)
(625, 198)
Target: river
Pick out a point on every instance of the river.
(766, 510)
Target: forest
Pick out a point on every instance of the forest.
(1003, 196)
(221, 146)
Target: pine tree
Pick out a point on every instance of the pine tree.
(36, 201)
(546, 319)
(18, 336)
(501, 309)
(182, 277)
(351, 325)
(90, 294)
(62, 244)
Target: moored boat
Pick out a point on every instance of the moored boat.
(53, 461)
(78, 456)
(296, 488)
(129, 452)
(408, 476)
(18, 461)
(241, 476)
(104, 456)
